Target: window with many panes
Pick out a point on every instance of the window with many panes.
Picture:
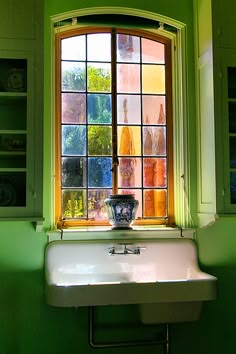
(113, 124)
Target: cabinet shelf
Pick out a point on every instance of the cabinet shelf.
(12, 169)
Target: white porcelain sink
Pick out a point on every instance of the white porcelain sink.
(163, 275)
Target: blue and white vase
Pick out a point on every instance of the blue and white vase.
(121, 210)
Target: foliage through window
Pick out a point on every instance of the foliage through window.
(114, 124)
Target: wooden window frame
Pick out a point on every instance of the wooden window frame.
(170, 220)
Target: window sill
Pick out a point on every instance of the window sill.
(106, 233)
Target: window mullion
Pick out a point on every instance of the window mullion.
(115, 161)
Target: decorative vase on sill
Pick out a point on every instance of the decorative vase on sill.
(121, 210)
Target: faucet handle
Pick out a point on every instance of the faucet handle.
(111, 250)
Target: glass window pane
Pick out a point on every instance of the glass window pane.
(13, 189)
(73, 140)
(155, 203)
(233, 187)
(128, 78)
(99, 109)
(129, 141)
(154, 111)
(128, 48)
(73, 76)
(152, 51)
(232, 117)
(73, 172)
(73, 108)
(231, 82)
(96, 208)
(99, 140)
(232, 152)
(99, 77)
(99, 172)
(128, 109)
(154, 140)
(99, 47)
(74, 203)
(154, 172)
(73, 48)
(153, 79)
(129, 172)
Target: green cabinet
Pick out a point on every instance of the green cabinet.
(20, 154)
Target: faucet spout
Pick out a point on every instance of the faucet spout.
(126, 250)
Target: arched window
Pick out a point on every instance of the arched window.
(114, 125)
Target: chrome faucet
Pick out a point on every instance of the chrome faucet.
(126, 250)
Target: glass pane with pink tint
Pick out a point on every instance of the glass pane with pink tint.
(129, 140)
(73, 48)
(154, 172)
(154, 109)
(73, 107)
(153, 79)
(128, 78)
(154, 141)
(137, 195)
(74, 204)
(155, 203)
(99, 47)
(152, 51)
(128, 48)
(96, 208)
(128, 109)
(129, 172)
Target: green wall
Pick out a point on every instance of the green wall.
(29, 326)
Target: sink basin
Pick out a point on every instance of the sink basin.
(155, 274)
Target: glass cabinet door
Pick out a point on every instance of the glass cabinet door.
(13, 132)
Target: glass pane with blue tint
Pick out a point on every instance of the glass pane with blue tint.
(96, 207)
(128, 109)
(99, 47)
(130, 174)
(99, 77)
(152, 51)
(73, 76)
(129, 140)
(128, 48)
(99, 172)
(73, 140)
(73, 48)
(99, 108)
(74, 203)
(74, 172)
(73, 108)
(154, 172)
(128, 78)
(233, 187)
(154, 140)
(232, 117)
(99, 140)
(154, 109)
